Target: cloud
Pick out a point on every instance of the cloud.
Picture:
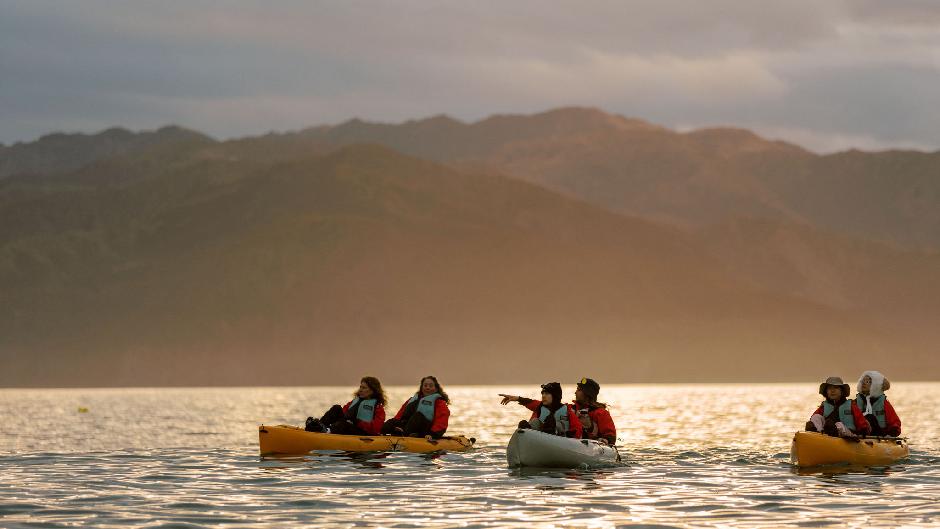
(902, 13)
(845, 68)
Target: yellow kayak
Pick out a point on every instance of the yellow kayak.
(284, 439)
(810, 449)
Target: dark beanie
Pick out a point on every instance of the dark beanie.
(590, 388)
(553, 389)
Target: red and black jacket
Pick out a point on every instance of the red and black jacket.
(861, 423)
(371, 428)
(603, 423)
(441, 415)
(574, 428)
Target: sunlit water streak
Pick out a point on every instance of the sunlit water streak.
(702, 455)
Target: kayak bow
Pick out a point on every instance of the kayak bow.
(532, 448)
(810, 449)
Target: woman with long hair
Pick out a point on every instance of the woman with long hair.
(363, 415)
(424, 413)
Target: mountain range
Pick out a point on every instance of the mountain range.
(517, 248)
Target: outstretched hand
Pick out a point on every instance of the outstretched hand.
(508, 398)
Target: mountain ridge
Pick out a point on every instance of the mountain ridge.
(296, 257)
(297, 271)
(630, 166)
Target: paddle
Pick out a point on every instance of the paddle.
(860, 438)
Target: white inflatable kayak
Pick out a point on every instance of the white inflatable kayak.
(532, 448)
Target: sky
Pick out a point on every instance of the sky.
(827, 75)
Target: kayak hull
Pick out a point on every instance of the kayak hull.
(291, 440)
(810, 449)
(532, 448)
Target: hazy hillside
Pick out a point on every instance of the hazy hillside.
(891, 196)
(690, 179)
(60, 152)
(837, 271)
(170, 258)
(203, 270)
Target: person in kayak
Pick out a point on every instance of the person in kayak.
(363, 415)
(424, 414)
(596, 422)
(551, 414)
(837, 416)
(874, 404)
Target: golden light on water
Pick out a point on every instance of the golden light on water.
(699, 455)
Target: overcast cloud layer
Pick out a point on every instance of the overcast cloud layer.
(827, 75)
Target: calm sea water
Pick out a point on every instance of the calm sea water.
(696, 456)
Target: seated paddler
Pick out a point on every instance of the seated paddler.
(424, 414)
(596, 422)
(873, 402)
(550, 414)
(363, 415)
(837, 416)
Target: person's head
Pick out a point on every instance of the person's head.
(551, 394)
(429, 385)
(872, 383)
(834, 389)
(587, 391)
(371, 388)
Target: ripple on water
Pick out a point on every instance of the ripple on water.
(205, 470)
(15, 508)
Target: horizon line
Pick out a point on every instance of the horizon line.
(680, 130)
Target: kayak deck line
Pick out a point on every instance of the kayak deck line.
(292, 440)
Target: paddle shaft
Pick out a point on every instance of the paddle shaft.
(882, 438)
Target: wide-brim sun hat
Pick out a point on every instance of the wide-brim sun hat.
(834, 381)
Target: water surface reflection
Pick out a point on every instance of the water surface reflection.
(189, 458)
